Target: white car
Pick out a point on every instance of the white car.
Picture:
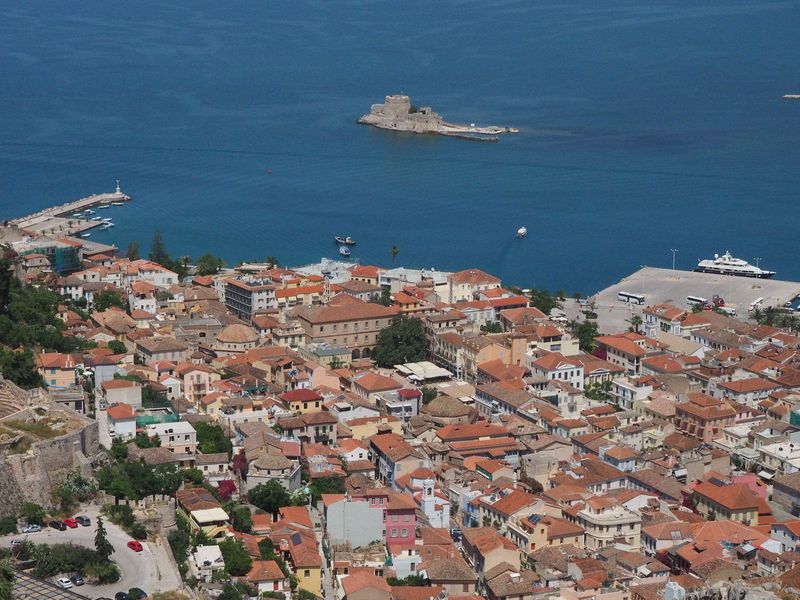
(64, 582)
(32, 528)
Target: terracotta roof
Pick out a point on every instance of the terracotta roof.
(119, 412)
(733, 496)
(473, 277)
(237, 334)
(375, 382)
(264, 570)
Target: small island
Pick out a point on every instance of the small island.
(398, 114)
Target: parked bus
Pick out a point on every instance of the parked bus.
(728, 310)
(755, 304)
(694, 300)
(630, 297)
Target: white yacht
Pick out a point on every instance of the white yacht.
(522, 232)
(729, 265)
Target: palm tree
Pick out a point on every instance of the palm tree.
(272, 261)
(394, 252)
(636, 323)
(769, 315)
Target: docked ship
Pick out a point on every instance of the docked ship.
(729, 265)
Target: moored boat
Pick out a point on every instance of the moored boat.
(522, 232)
(85, 235)
(344, 250)
(348, 241)
(730, 265)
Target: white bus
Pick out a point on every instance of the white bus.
(755, 304)
(694, 300)
(630, 297)
(728, 310)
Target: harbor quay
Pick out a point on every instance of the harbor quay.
(660, 286)
(59, 220)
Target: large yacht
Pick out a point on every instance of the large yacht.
(729, 265)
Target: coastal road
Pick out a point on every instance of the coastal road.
(150, 569)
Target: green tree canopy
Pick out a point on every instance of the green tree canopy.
(585, 331)
(132, 252)
(492, 327)
(401, 342)
(237, 560)
(212, 439)
(19, 366)
(117, 347)
(101, 544)
(269, 497)
(32, 513)
(105, 299)
(543, 300)
(208, 264)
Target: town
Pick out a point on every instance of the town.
(361, 432)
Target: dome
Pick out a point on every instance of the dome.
(237, 334)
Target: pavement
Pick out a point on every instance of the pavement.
(661, 286)
(150, 569)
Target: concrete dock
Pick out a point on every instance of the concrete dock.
(59, 220)
(666, 286)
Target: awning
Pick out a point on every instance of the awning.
(766, 475)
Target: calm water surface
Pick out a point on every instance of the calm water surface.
(644, 126)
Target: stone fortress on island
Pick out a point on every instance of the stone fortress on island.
(398, 114)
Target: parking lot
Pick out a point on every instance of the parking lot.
(666, 286)
(150, 569)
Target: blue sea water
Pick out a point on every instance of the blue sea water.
(644, 126)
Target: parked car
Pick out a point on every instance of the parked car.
(76, 580)
(58, 525)
(83, 520)
(121, 596)
(64, 583)
(31, 528)
(16, 543)
(102, 406)
(70, 522)
(135, 545)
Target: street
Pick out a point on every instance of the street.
(151, 570)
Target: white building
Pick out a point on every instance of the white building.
(204, 561)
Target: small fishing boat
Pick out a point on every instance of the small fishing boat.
(89, 211)
(522, 232)
(117, 203)
(85, 235)
(78, 215)
(344, 250)
(347, 241)
(104, 206)
(95, 218)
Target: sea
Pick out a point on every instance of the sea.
(645, 126)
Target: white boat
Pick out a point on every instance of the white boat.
(86, 235)
(78, 215)
(106, 219)
(89, 211)
(344, 250)
(522, 232)
(104, 206)
(729, 265)
(117, 203)
(348, 241)
(95, 218)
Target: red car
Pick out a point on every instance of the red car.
(70, 522)
(135, 546)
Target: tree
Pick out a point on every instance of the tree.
(600, 391)
(326, 485)
(386, 297)
(429, 394)
(272, 262)
(230, 592)
(335, 363)
(237, 560)
(105, 299)
(401, 342)
(542, 300)
(394, 251)
(585, 331)
(193, 475)
(6, 580)
(158, 251)
(208, 264)
(19, 367)
(212, 439)
(492, 327)
(119, 449)
(8, 525)
(241, 518)
(179, 542)
(415, 579)
(226, 488)
(133, 251)
(117, 347)
(269, 497)
(101, 544)
(32, 513)
(636, 323)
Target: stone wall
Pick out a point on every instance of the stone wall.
(31, 476)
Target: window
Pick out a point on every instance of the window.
(394, 532)
(394, 518)
(307, 573)
(406, 518)
(381, 501)
(404, 532)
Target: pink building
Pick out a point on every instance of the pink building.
(399, 515)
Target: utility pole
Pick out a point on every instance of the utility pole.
(674, 252)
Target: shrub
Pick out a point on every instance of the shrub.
(120, 514)
(8, 525)
(102, 572)
(32, 513)
(179, 542)
(139, 531)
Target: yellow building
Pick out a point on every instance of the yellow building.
(538, 531)
(303, 401)
(715, 499)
